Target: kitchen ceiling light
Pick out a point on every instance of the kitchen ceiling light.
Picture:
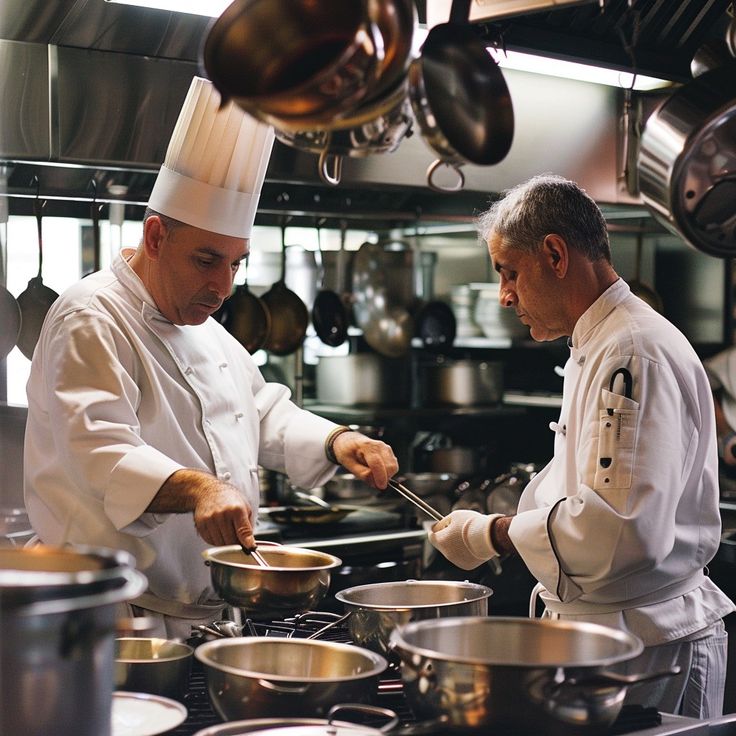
(211, 8)
(573, 70)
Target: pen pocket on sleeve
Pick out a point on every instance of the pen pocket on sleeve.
(617, 425)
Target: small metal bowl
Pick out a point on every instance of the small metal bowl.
(296, 580)
(152, 665)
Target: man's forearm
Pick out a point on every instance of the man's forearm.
(180, 492)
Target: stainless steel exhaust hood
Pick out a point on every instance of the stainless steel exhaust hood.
(92, 90)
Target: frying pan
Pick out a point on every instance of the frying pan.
(9, 313)
(37, 298)
(289, 315)
(319, 512)
(435, 324)
(247, 317)
(329, 316)
(460, 99)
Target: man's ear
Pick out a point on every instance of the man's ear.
(555, 250)
(154, 231)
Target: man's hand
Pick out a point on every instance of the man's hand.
(221, 514)
(370, 460)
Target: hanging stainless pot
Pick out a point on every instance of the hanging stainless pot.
(376, 127)
(321, 60)
(383, 294)
(460, 99)
(687, 162)
(517, 675)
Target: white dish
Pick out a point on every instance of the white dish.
(141, 714)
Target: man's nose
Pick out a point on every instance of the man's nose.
(506, 296)
(222, 285)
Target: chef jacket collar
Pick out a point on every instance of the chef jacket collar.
(596, 313)
(131, 281)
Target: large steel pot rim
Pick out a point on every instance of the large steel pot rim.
(366, 664)
(397, 595)
(627, 645)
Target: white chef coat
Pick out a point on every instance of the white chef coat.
(620, 524)
(119, 398)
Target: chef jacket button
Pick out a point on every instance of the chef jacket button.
(208, 422)
(188, 371)
(239, 415)
(223, 366)
(581, 360)
(226, 476)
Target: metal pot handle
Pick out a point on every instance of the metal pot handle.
(371, 710)
(268, 685)
(329, 161)
(432, 170)
(614, 678)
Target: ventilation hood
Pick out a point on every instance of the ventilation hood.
(92, 90)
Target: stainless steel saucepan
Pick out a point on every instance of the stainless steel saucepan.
(295, 581)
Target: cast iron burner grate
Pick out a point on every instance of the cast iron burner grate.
(390, 695)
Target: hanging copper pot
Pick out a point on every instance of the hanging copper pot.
(320, 62)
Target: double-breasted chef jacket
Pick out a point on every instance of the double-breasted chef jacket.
(621, 523)
(120, 398)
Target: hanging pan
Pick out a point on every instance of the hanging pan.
(246, 317)
(460, 99)
(37, 298)
(289, 315)
(329, 316)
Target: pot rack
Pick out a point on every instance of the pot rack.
(382, 209)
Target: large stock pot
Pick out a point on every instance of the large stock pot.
(57, 643)
(517, 675)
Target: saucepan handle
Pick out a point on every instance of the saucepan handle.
(432, 170)
(614, 678)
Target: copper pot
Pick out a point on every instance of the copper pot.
(321, 60)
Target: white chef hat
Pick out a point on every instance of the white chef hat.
(215, 165)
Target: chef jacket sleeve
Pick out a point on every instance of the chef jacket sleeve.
(92, 397)
(292, 440)
(594, 539)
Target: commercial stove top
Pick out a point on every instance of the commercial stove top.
(633, 719)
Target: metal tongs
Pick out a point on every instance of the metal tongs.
(413, 498)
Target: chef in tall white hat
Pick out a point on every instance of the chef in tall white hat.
(147, 420)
